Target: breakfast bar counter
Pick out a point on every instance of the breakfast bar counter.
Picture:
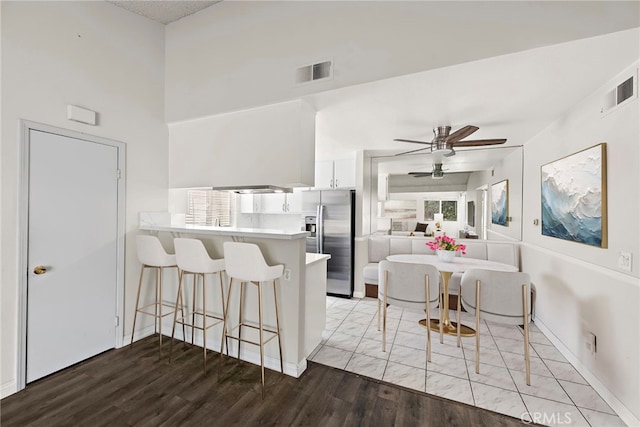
(301, 290)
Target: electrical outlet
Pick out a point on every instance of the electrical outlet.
(624, 260)
(287, 274)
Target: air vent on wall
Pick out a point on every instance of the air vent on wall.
(313, 72)
(623, 92)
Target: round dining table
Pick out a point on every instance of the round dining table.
(458, 265)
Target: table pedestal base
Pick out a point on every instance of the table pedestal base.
(450, 329)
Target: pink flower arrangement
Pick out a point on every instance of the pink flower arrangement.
(446, 243)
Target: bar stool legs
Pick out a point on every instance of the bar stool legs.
(157, 305)
(196, 314)
(261, 327)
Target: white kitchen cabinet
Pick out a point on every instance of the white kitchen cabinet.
(324, 174)
(294, 202)
(335, 173)
(280, 203)
(344, 173)
(273, 203)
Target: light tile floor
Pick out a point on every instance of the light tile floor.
(558, 394)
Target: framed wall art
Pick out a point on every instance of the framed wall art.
(500, 203)
(574, 202)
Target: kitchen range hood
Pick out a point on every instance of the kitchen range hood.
(254, 189)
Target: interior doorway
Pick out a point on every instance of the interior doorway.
(72, 248)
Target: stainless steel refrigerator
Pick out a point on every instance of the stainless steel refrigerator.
(330, 218)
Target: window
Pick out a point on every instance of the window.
(431, 207)
(205, 206)
(448, 208)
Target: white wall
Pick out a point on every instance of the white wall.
(239, 55)
(511, 169)
(580, 289)
(97, 56)
(267, 145)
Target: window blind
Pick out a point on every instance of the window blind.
(204, 206)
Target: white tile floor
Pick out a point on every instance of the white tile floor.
(558, 394)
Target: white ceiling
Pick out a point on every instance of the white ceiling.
(513, 96)
(164, 11)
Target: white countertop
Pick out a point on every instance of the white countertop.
(313, 258)
(228, 231)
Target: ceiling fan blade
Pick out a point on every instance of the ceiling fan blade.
(461, 133)
(477, 142)
(412, 151)
(420, 174)
(413, 140)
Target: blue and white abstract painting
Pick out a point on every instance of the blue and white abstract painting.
(573, 206)
(500, 202)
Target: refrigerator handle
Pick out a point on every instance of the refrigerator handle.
(320, 231)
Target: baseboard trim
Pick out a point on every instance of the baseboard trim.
(8, 389)
(619, 408)
(138, 335)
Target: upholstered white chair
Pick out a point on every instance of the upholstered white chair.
(412, 286)
(246, 264)
(152, 255)
(193, 259)
(497, 297)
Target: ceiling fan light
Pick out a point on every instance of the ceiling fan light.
(444, 151)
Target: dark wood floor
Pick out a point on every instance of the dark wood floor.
(132, 387)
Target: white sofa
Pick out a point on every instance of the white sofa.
(380, 247)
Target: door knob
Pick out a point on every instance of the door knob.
(40, 269)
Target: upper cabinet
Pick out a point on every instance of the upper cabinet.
(275, 203)
(335, 173)
(268, 145)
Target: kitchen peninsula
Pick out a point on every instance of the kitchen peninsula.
(301, 292)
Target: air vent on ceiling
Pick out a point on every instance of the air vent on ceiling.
(620, 94)
(313, 72)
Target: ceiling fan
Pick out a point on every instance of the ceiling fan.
(443, 142)
(437, 172)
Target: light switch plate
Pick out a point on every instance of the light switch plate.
(624, 260)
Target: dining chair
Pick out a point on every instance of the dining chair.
(497, 297)
(412, 286)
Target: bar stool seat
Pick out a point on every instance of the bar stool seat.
(192, 258)
(246, 264)
(152, 255)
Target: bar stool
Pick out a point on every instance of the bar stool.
(151, 254)
(194, 259)
(245, 264)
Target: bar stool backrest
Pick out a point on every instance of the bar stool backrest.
(150, 252)
(244, 261)
(193, 257)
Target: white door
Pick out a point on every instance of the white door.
(72, 233)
